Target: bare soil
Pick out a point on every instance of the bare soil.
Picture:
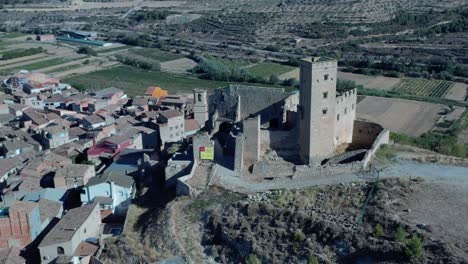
(404, 116)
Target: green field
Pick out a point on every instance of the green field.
(35, 66)
(65, 68)
(13, 35)
(265, 70)
(112, 49)
(423, 87)
(156, 54)
(135, 81)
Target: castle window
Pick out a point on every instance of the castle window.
(325, 95)
(338, 117)
(199, 97)
(324, 111)
(325, 77)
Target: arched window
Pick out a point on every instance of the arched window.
(199, 97)
(60, 251)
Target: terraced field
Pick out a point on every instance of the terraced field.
(423, 87)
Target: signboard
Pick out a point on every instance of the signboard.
(207, 153)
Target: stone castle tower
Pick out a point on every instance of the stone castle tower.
(322, 126)
(200, 106)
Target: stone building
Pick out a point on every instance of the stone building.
(200, 107)
(326, 118)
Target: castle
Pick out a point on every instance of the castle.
(326, 119)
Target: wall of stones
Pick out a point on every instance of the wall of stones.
(182, 187)
(239, 153)
(365, 134)
(345, 116)
(251, 133)
(382, 138)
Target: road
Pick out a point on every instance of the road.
(404, 169)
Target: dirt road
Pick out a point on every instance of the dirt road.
(455, 175)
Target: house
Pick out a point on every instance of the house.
(20, 224)
(38, 118)
(115, 185)
(11, 255)
(54, 135)
(45, 37)
(13, 148)
(109, 147)
(75, 227)
(8, 167)
(173, 102)
(191, 127)
(97, 120)
(73, 175)
(49, 210)
(17, 109)
(155, 92)
(171, 126)
(112, 95)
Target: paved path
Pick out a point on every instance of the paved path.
(403, 169)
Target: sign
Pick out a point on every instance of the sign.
(207, 153)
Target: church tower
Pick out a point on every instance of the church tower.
(200, 107)
(317, 102)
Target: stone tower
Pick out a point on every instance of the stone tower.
(200, 107)
(317, 101)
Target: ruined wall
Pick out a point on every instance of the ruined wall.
(365, 134)
(304, 171)
(239, 153)
(182, 187)
(251, 140)
(238, 102)
(176, 169)
(345, 116)
(382, 138)
(200, 140)
(317, 108)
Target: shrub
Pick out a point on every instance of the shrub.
(87, 51)
(313, 260)
(378, 231)
(252, 259)
(414, 248)
(299, 236)
(400, 234)
(142, 63)
(13, 54)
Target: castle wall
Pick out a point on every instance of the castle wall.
(251, 140)
(316, 109)
(345, 116)
(239, 153)
(365, 134)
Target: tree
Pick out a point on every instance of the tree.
(252, 259)
(400, 234)
(87, 51)
(414, 248)
(378, 231)
(274, 79)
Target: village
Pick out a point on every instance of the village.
(72, 162)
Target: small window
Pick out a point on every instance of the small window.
(170, 136)
(199, 97)
(345, 111)
(325, 95)
(325, 77)
(84, 230)
(352, 106)
(338, 117)
(324, 111)
(170, 128)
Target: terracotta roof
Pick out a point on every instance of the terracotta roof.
(68, 225)
(191, 125)
(86, 249)
(171, 113)
(49, 209)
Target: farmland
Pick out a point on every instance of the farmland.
(156, 54)
(423, 87)
(265, 70)
(135, 81)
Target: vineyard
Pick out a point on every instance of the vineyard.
(423, 87)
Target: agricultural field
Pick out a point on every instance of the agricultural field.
(156, 54)
(135, 81)
(265, 70)
(423, 87)
(408, 117)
